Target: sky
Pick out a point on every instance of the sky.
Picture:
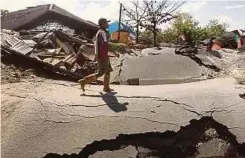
(231, 12)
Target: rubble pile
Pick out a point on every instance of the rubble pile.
(54, 51)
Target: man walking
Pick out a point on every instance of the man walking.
(101, 55)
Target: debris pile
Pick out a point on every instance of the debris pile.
(55, 51)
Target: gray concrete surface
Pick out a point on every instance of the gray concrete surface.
(44, 116)
(164, 68)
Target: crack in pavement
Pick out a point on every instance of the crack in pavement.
(46, 119)
(99, 116)
(160, 122)
(120, 67)
(77, 105)
(222, 109)
(128, 97)
(144, 97)
(64, 122)
(183, 143)
(177, 103)
(59, 105)
(216, 111)
(192, 110)
(201, 63)
(154, 98)
(119, 96)
(232, 105)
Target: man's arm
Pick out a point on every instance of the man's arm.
(96, 48)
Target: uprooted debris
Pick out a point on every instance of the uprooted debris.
(201, 138)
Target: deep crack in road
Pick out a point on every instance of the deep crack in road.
(183, 143)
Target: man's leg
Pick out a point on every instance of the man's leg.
(107, 78)
(107, 82)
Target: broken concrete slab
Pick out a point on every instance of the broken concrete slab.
(168, 68)
(81, 120)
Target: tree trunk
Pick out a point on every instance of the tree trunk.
(154, 35)
(137, 33)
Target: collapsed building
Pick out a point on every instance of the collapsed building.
(51, 39)
(45, 18)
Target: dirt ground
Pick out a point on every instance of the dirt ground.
(13, 74)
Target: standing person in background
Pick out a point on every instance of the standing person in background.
(240, 40)
(101, 55)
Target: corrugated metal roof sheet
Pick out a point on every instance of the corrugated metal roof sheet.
(9, 40)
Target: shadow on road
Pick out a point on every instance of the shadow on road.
(111, 100)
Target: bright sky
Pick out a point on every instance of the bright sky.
(232, 12)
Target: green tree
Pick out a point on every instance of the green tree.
(185, 22)
(168, 36)
(214, 28)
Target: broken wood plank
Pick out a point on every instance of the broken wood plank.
(71, 60)
(67, 57)
(63, 46)
(58, 51)
(41, 39)
(50, 55)
(65, 37)
(37, 64)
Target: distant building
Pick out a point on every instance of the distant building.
(127, 34)
(234, 39)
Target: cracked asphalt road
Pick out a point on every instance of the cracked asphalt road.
(47, 116)
(168, 67)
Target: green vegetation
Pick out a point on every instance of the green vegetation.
(185, 22)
